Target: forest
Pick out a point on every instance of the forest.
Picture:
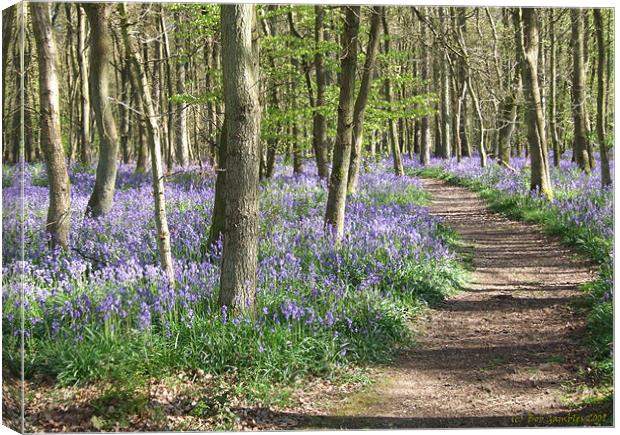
(271, 216)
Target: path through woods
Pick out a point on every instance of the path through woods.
(496, 354)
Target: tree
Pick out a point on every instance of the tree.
(362, 97)
(425, 135)
(337, 196)
(319, 124)
(582, 156)
(182, 144)
(600, 107)
(85, 145)
(242, 114)
(396, 157)
(101, 57)
(59, 211)
(527, 28)
(154, 136)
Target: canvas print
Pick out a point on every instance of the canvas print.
(272, 216)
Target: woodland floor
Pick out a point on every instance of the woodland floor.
(506, 351)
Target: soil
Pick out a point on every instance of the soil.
(506, 351)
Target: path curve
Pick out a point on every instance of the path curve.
(501, 352)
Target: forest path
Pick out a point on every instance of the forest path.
(501, 352)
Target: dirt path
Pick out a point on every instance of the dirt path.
(498, 354)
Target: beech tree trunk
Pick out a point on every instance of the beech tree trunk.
(161, 219)
(528, 27)
(396, 152)
(582, 156)
(85, 145)
(319, 124)
(59, 211)
(362, 98)
(600, 100)
(553, 111)
(242, 108)
(182, 144)
(446, 146)
(425, 128)
(337, 196)
(101, 199)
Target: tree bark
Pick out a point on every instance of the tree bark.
(85, 145)
(101, 200)
(319, 124)
(362, 98)
(182, 144)
(553, 111)
(446, 146)
(396, 154)
(600, 103)
(161, 220)
(425, 128)
(579, 92)
(59, 211)
(527, 26)
(337, 196)
(242, 108)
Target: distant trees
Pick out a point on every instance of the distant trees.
(59, 211)
(154, 136)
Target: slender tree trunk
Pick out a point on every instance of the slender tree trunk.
(396, 154)
(425, 128)
(319, 124)
(240, 73)
(101, 200)
(182, 144)
(218, 218)
(337, 196)
(579, 92)
(59, 211)
(600, 107)
(553, 112)
(446, 146)
(362, 98)
(508, 118)
(528, 27)
(161, 220)
(85, 145)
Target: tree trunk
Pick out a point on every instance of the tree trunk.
(59, 211)
(425, 128)
(218, 218)
(240, 74)
(319, 124)
(85, 145)
(8, 18)
(446, 146)
(161, 220)
(182, 145)
(362, 98)
(579, 92)
(396, 154)
(527, 26)
(100, 201)
(553, 112)
(337, 196)
(600, 106)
